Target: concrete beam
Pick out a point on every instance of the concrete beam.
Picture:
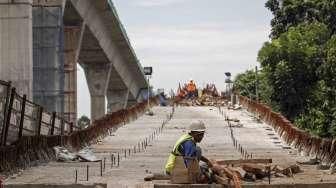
(16, 44)
(92, 14)
(97, 76)
(119, 99)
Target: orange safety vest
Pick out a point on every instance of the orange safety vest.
(191, 87)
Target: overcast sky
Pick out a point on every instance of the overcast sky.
(183, 39)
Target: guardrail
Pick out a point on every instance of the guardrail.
(21, 117)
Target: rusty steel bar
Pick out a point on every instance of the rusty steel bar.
(104, 164)
(5, 112)
(9, 113)
(23, 108)
(53, 118)
(101, 167)
(39, 121)
(87, 172)
(76, 176)
(111, 160)
(118, 159)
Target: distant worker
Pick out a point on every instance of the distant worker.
(192, 89)
(186, 147)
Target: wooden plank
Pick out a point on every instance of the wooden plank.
(242, 161)
(221, 180)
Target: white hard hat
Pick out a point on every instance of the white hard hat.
(197, 126)
(191, 79)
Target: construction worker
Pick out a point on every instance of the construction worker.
(191, 88)
(186, 146)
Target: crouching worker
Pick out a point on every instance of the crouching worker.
(186, 147)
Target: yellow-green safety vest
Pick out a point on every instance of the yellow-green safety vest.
(172, 156)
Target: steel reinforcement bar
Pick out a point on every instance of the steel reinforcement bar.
(31, 150)
(323, 148)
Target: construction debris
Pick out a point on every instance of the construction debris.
(207, 97)
(64, 155)
(249, 170)
(87, 155)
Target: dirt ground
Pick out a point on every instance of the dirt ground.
(257, 138)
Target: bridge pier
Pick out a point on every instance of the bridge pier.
(16, 41)
(117, 99)
(97, 77)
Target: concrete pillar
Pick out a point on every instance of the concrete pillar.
(16, 36)
(48, 62)
(98, 106)
(116, 99)
(72, 41)
(97, 77)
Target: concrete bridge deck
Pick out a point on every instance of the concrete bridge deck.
(256, 137)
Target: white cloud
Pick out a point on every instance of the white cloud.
(155, 3)
(202, 51)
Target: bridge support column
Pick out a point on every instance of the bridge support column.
(116, 100)
(72, 42)
(16, 44)
(97, 76)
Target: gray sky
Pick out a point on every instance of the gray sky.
(183, 39)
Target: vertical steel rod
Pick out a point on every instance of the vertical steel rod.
(87, 172)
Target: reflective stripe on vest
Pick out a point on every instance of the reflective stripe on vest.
(172, 156)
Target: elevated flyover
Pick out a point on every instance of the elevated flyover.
(112, 69)
(41, 42)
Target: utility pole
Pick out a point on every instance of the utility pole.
(148, 71)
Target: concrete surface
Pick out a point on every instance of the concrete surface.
(256, 137)
(324, 185)
(16, 45)
(57, 186)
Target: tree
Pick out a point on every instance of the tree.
(245, 83)
(290, 62)
(290, 13)
(83, 122)
(320, 116)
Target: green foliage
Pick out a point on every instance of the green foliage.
(294, 12)
(299, 63)
(291, 62)
(245, 83)
(320, 116)
(83, 122)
